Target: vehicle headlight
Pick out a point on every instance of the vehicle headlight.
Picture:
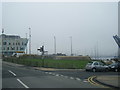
(113, 67)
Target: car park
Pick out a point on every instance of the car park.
(96, 66)
(114, 67)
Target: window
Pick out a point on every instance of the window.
(12, 48)
(13, 43)
(4, 48)
(4, 43)
(25, 43)
(17, 48)
(22, 43)
(21, 48)
(7, 48)
(9, 43)
(95, 63)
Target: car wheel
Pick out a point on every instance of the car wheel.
(116, 70)
(94, 69)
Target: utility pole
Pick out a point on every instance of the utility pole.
(26, 46)
(29, 40)
(71, 45)
(97, 51)
(54, 45)
(2, 30)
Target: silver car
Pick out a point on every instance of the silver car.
(96, 66)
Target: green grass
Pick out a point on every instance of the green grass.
(49, 63)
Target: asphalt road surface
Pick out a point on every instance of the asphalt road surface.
(14, 76)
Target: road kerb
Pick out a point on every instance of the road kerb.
(91, 80)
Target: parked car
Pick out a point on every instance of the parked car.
(96, 66)
(114, 67)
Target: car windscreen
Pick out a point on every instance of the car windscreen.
(89, 63)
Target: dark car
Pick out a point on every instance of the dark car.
(114, 67)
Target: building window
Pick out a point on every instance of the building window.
(9, 43)
(4, 48)
(22, 43)
(12, 48)
(17, 48)
(25, 43)
(21, 48)
(13, 43)
(16, 43)
(4, 43)
(7, 48)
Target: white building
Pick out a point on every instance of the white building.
(10, 44)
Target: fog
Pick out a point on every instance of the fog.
(90, 24)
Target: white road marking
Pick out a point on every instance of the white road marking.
(71, 78)
(78, 79)
(22, 83)
(85, 80)
(57, 75)
(12, 72)
(49, 73)
(61, 75)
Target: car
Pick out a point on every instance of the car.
(114, 67)
(96, 66)
(17, 54)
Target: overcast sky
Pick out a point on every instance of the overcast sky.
(91, 25)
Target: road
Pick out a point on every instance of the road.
(18, 76)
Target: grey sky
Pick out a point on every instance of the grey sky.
(90, 25)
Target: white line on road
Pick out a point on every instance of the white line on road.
(22, 83)
(78, 79)
(61, 75)
(71, 78)
(57, 75)
(49, 73)
(12, 72)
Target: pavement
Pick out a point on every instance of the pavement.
(109, 80)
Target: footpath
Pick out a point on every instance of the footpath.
(112, 81)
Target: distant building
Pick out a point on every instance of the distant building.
(10, 44)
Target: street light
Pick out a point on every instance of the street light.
(29, 40)
(71, 45)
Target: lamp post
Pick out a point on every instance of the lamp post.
(54, 45)
(26, 46)
(29, 40)
(71, 45)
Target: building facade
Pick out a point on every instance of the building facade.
(10, 44)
